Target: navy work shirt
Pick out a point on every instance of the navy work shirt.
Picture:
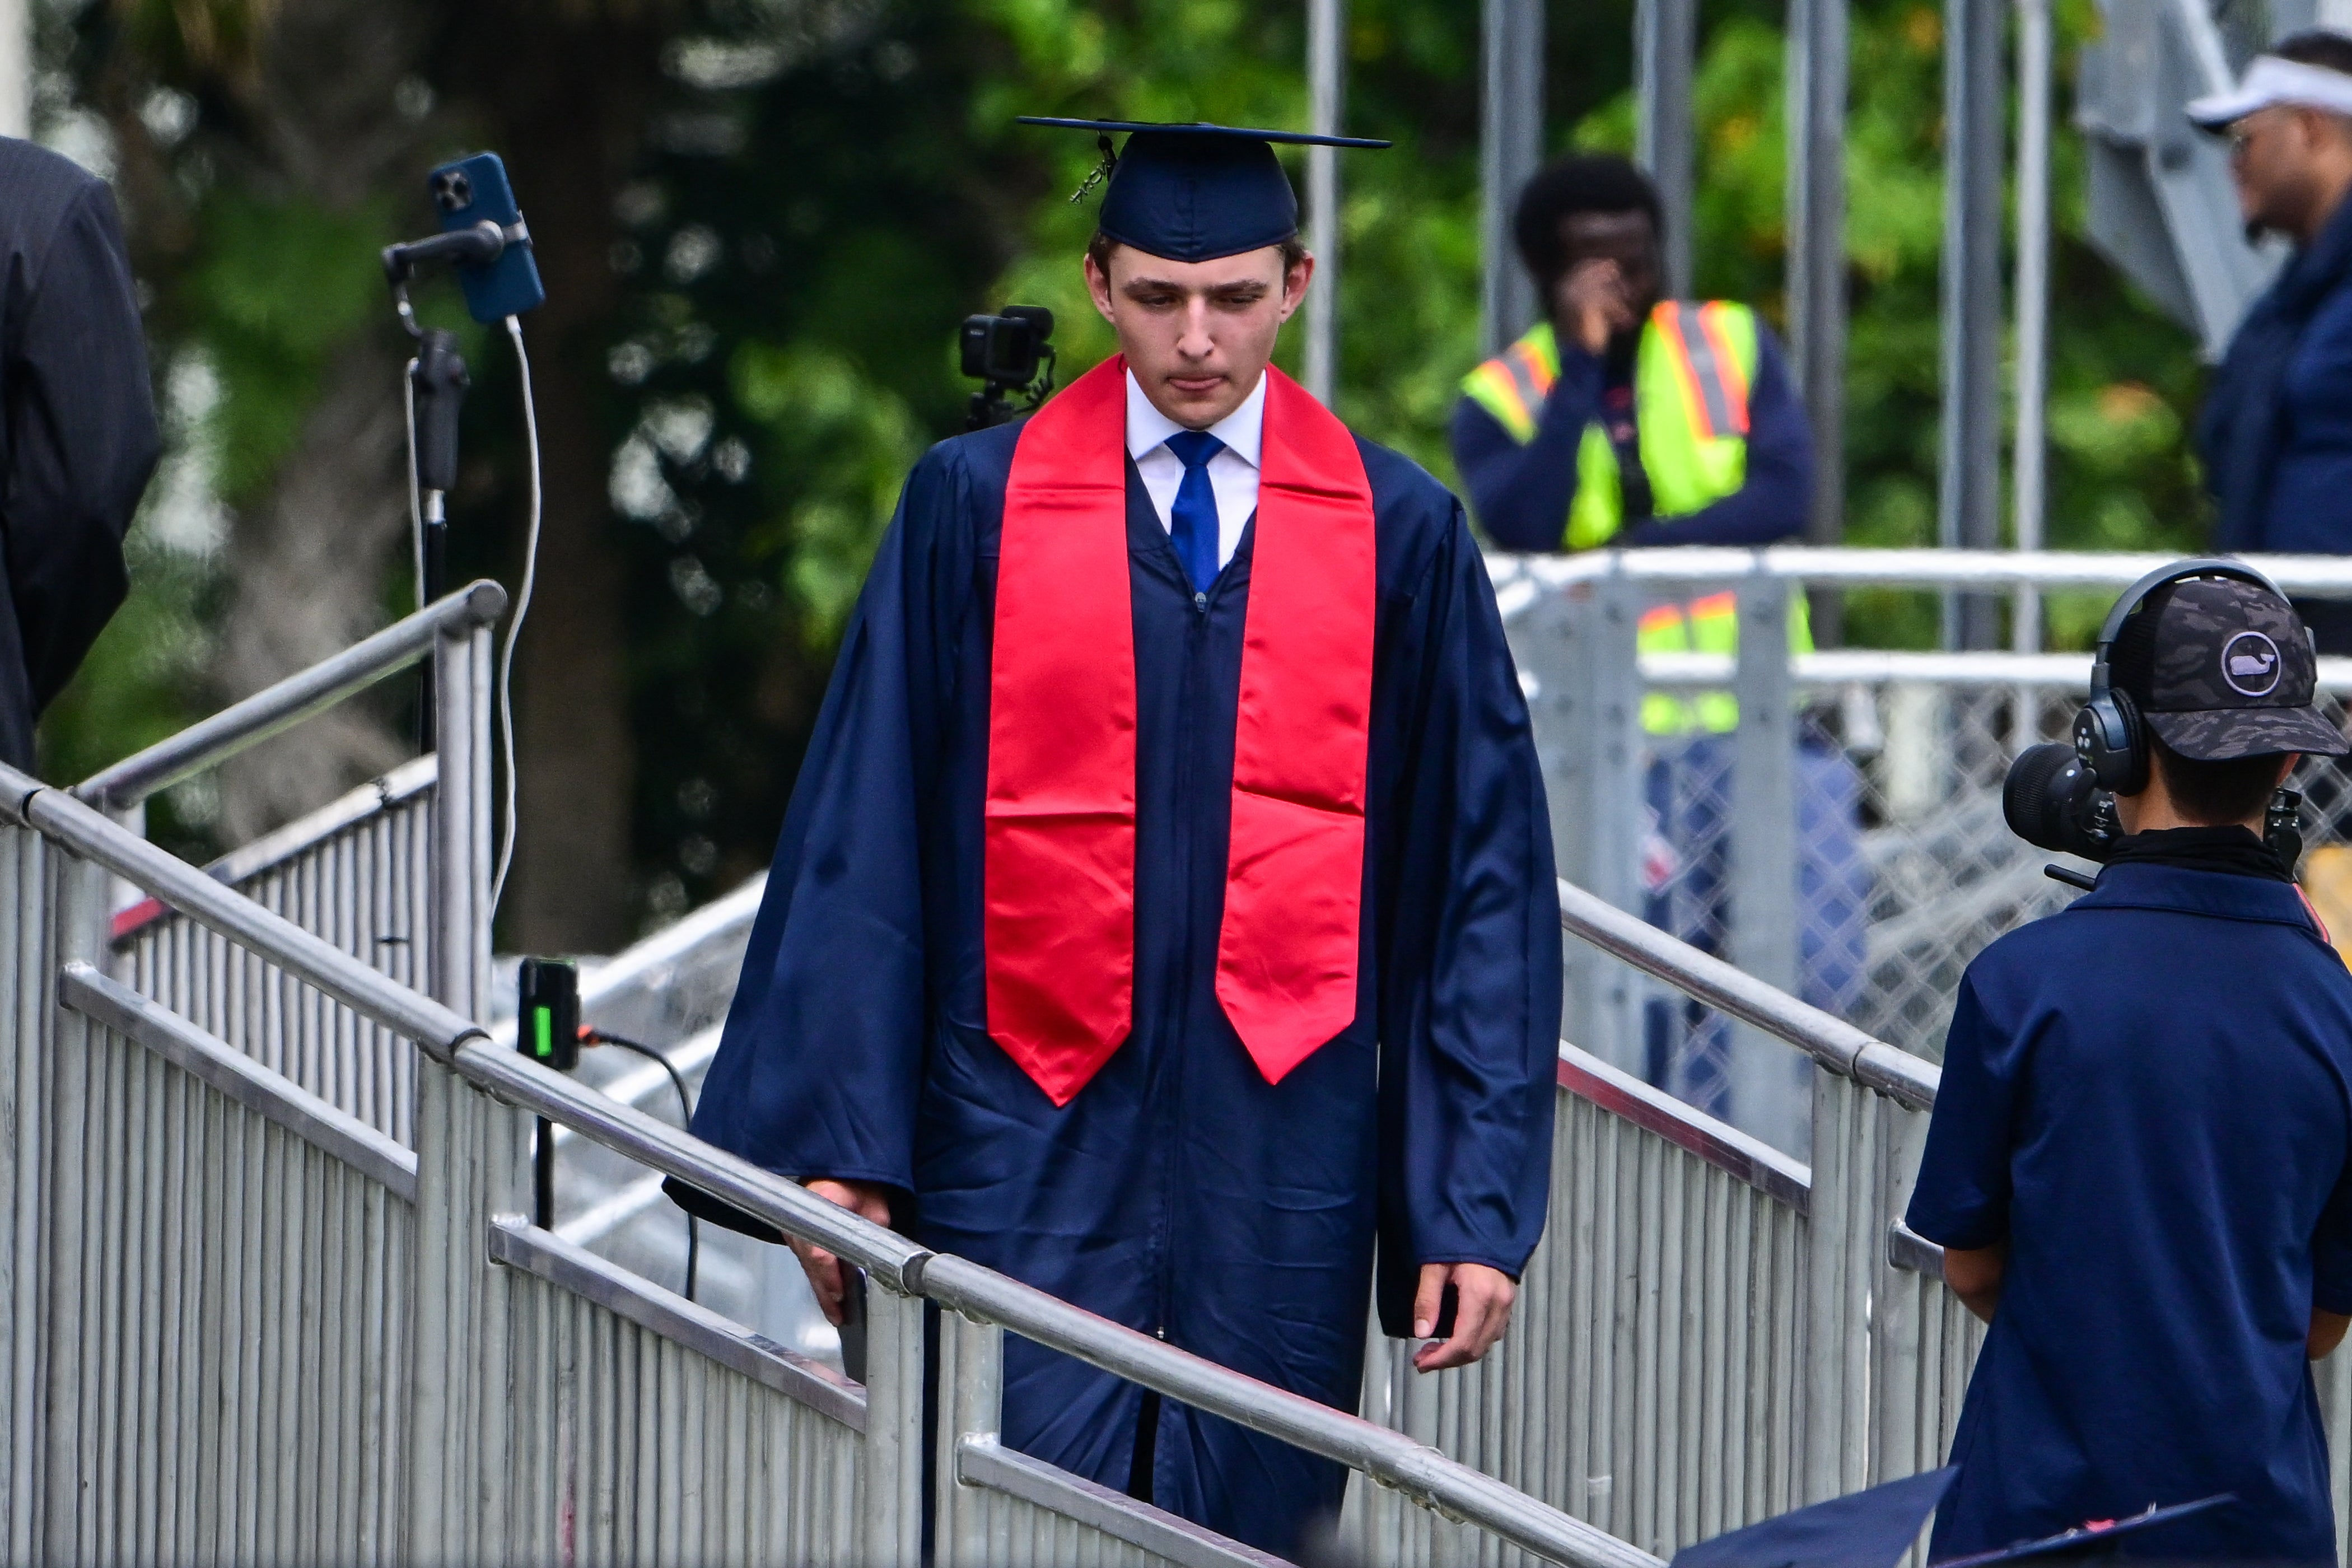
(77, 436)
(2148, 1096)
(2276, 429)
(1520, 494)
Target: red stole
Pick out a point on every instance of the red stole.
(1058, 866)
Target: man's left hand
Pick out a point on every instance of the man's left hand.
(1482, 1310)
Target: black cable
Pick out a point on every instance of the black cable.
(686, 1111)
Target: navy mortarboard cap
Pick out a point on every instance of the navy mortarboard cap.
(2094, 1538)
(1867, 1529)
(1193, 193)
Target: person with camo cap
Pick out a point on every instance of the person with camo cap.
(2138, 1165)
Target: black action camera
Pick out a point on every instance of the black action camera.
(1008, 353)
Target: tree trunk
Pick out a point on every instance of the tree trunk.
(568, 127)
(307, 566)
(307, 561)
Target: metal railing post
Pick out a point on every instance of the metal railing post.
(1841, 1251)
(1817, 263)
(63, 1340)
(1327, 91)
(1577, 649)
(27, 1010)
(1968, 461)
(470, 1151)
(971, 1405)
(1900, 1446)
(1510, 148)
(1767, 1083)
(891, 1476)
(1665, 54)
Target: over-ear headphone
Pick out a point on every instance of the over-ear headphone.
(2110, 736)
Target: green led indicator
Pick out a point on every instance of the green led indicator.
(543, 1024)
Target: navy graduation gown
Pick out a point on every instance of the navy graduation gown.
(1178, 1193)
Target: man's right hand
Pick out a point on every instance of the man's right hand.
(1591, 304)
(828, 1276)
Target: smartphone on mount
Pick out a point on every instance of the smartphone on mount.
(465, 193)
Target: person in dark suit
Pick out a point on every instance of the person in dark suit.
(77, 433)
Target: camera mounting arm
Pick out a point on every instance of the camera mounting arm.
(479, 246)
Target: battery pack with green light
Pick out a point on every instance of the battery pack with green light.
(548, 1023)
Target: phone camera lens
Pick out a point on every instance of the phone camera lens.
(452, 190)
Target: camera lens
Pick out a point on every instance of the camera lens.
(2034, 796)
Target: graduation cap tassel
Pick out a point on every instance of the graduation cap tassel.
(1100, 172)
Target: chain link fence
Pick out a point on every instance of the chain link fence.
(1860, 819)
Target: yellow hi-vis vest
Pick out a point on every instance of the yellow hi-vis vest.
(1692, 372)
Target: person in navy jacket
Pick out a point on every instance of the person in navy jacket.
(2138, 1165)
(2276, 432)
(78, 432)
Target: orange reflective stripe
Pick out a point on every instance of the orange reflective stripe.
(1709, 607)
(1667, 319)
(1502, 389)
(1726, 364)
(1528, 368)
(1714, 391)
(1726, 604)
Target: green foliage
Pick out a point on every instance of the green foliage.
(789, 292)
(849, 442)
(133, 689)
(277, 288)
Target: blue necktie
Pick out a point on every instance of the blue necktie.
(1192, 520)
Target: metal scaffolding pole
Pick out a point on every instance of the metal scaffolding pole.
(15, 67)
(1511, 149)
(1666, 50)
(1817, 304)
(1326, 88)
(2028, 497)
(1968, 488)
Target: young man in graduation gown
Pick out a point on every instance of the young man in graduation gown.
(1164, 914)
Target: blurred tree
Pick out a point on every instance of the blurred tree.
(253, 142)
(759, 221)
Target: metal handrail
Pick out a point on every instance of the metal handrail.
(276, 709)
(1421, 1472)
(1387, 1456)
(1827, 1038)
(1872, 666)
(1990, 570)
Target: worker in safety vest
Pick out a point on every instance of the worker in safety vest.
(1625, 419)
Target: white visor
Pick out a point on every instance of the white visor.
(2271, 81)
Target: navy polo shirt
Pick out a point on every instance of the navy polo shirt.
(2149, 1095)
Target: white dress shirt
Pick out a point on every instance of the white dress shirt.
(1232, 473)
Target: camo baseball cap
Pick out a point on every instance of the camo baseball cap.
(2222, 669)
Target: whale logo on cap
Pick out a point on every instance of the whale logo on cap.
(2249, 663)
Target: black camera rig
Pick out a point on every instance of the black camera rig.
(2051, 800)
(1010, 355)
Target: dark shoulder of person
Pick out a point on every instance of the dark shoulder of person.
(2076, 954)
(39, 191)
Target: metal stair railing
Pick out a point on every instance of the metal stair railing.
(355, 872)
(504, 1407)
(304, 695)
